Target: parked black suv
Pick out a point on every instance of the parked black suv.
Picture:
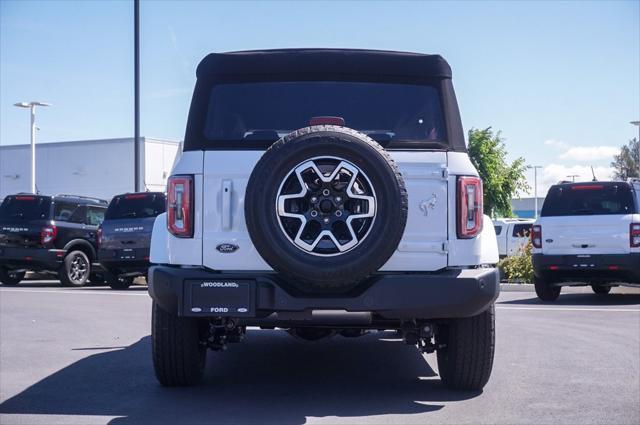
(54, 234)
(125, 235)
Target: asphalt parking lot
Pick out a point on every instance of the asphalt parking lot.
(83, 356)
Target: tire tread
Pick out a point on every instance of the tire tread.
(178, 357)
(467, 360)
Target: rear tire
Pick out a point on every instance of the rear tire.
(9, 277)
(545, 291)
(121, 283)
(118, 282)
(178, 356)
(75, 270)
(601, 290)
(466, 361)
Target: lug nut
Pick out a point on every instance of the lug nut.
(314, 213)
(326, 192)
(338, 213)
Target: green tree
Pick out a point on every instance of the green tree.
(501, 180)
(627, 163)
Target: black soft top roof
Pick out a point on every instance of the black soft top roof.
(307, 62)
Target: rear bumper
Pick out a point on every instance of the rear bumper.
(448, 294)
(604, 267)
(132, 261)
(32, 258)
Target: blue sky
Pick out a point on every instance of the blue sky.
(560, 79)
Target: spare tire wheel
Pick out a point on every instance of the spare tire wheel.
(326, 207)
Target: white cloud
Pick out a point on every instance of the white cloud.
(554, 173)
(556, 143)
(590, 153)
(582, 153)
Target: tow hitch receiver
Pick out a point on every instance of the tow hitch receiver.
(420, 335)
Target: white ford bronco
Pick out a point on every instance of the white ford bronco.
(324, 192)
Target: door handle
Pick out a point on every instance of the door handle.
(227, 188)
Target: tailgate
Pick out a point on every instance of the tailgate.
(20, 234)
(422, 247)
(127, 234)
(592, 234)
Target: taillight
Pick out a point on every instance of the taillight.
(634, 235)
(469, 207)
(48, 234)
(536, 236)
(180, 206)
(99, 236)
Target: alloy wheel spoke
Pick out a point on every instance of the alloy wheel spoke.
(333, 204)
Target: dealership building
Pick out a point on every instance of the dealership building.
(525, 207)
(98, 168)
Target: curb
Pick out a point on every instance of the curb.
(516, 287)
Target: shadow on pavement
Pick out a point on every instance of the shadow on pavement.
(582, 299)
(270, 378)
(56, 284)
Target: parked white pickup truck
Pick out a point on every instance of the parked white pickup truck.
(512, 234)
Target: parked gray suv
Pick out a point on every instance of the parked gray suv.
(125, 235)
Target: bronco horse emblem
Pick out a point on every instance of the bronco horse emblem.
(428, 204)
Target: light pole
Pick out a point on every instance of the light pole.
(636, 123)
(32, 107)
(136, 95)
(535, 189)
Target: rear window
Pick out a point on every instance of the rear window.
(392, 114)
(136, 205)
(588, 199)
(24, 208)
(521, 230)
(498, 229)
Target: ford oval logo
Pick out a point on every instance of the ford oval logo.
(227, 248)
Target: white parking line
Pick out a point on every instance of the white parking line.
(78, 291)
(504, 307)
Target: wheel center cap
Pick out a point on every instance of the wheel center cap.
(326, 206)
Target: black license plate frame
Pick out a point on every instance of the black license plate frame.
(219, 297)
(127, 254)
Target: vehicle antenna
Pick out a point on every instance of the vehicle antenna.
(594, 174)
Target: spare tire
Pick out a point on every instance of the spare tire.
(326, 207)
